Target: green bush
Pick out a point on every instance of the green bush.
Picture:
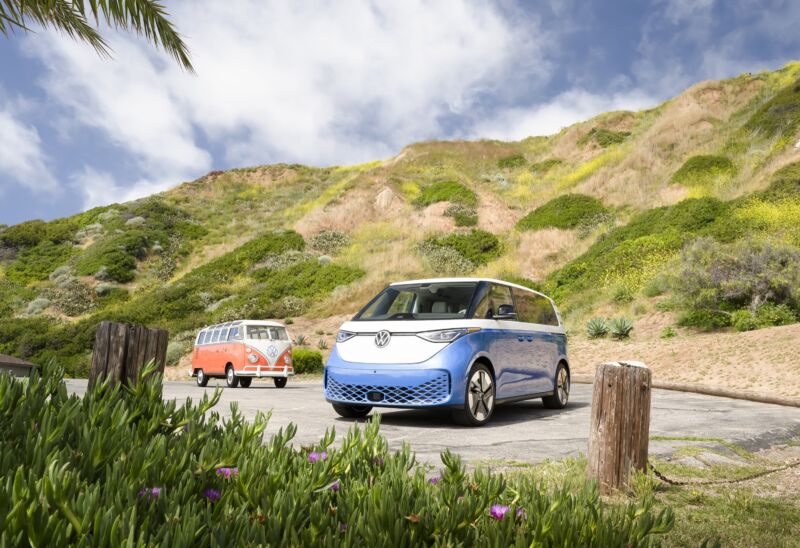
(37, 262)
(124, 467)
(767, 315)
(785, 184)
(27, 234)
(744, 320)
(330, 242)
(176, 350)
(668, 332)
(703, 170)
(546, 165)
(443, 260)
(464, 215)
(622, 294)
(512, 161)
(707, 320)
(604, 137)
(446, 191)
(306, 360)
(71, 296)
(778, 116)
(566, 211)
(620, 328)
(725, 277)
(597, 328)
(477, 246)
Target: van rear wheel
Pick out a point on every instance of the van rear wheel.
(352, 411)
(230, 378)
(280, 382)
(202, 380)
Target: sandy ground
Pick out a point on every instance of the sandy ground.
(765, 361)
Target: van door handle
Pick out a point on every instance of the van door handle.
(530, 338)
(520, 338)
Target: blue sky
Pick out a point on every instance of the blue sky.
(325, 83)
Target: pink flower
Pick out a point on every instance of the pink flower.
(498, 511)
(314, 456)
(521, 513)
(435, 479)
(335, 486)
(150, 492)
(227, 472)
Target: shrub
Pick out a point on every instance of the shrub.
(477, 246)
(545, 165)
(744, 320)
(668, 332)
(306, 360)
(620, 328)
(512, 161)
(443, 260)
(566, 211)
(767, 315)
(26, 234)
(597, 328)
(330, 242)
(725, 277)
(446, 191)
(707, 320)
(180, 475)
(38, 262)
(71, 296)
(703, 170)
(464, 215)
(604, 137)
(622, 294)
(37, 306)
(785, 184)
(284, 260)
(176, 350)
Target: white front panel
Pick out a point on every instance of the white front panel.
(271, 349)
(401, 349)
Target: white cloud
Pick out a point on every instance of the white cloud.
(21, 156)
(563, 110)
(100, 188)
(318, 83)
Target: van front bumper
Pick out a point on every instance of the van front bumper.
(437, 382)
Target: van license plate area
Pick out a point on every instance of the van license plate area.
(375, 396)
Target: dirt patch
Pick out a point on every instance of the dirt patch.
(762, 361)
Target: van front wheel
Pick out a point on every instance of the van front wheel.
(202, 380)
(560, 395)
(280, 382)
(245, 382)
(479, 399)
(352, 411)
(230, 378)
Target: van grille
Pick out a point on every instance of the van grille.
(431, 392)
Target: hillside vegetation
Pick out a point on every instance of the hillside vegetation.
(689, 210)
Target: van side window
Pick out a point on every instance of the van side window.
(534, 308)
(491, 301)
(200, 338)
(215, 336)
(234, 334)
(278, 334)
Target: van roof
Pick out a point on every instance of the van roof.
(243, 322)
(450, 280)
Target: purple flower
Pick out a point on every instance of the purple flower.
(335, 486)
(521, 513)
(435, 479)
(377, 461)
(314, 456)
(150, 492)
(498, 511)
(342, 527)
(212, 494)
(227, 472)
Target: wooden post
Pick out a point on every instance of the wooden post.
(620, 425)
(121, 350)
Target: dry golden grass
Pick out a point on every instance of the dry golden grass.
(543, 251)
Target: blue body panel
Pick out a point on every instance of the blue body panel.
(524, 364)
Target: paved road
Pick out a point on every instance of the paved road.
(523, 432)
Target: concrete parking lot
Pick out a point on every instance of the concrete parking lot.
(522, 432)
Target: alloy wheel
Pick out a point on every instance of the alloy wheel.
(481, 395)
(563, 386)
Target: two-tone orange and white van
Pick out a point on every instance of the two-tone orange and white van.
(241, 350)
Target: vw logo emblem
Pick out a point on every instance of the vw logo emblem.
(382, 338)
(272, 351)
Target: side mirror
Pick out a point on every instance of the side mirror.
(505, 312)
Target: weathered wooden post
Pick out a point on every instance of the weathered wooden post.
(620, 425)
(121, 350)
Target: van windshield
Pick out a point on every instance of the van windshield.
(428, 301)
(266, 333)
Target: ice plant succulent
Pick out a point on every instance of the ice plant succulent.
(314, 456)
(212, 495)
(227, 472)
(150, 492)
(435, 479)
(498, 511)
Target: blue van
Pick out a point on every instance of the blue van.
(460, 343)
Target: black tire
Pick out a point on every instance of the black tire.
(245, 382)
(479, 399)
(352, 411)
(560, 396)
(202, 380)
(230, 377)
(280, 382)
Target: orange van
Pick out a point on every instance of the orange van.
(241, 350)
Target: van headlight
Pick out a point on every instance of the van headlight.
(342, 336)
(252, 358)
(446, 335)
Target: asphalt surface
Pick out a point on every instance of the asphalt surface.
(523, 432)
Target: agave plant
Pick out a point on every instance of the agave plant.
(300, 340)
(322, 344)
(597, 328)
(621, 328)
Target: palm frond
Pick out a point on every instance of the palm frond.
(144, 17)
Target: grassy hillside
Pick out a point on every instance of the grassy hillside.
(690, 211)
